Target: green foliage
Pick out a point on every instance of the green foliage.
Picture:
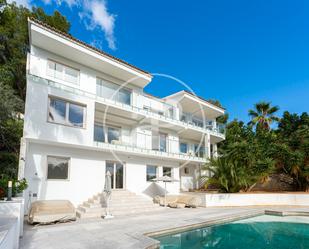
(14, 45)
(263, 115)
(228, 174)
(18, 186)
(263, 151)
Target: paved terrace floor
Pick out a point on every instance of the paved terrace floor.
(128, 232)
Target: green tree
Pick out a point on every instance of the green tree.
(222, 119)
(14, 46)
(263, 115)
(291, 151)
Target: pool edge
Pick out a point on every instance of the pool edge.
(217, 221)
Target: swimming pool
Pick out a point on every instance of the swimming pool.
(261, 232)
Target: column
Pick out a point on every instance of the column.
(207, 144)
(215, 150)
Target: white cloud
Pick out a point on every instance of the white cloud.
(70, 3)
(25, 3)
(96, 16)
(93, 14)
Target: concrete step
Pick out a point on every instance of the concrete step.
(122, 203)
(92, 205)
(90, 210)
(135, 204)
(80, 214)
(116, 199)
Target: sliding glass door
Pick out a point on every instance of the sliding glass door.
(116, 170)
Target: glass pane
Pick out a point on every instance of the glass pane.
(124, 96)
(119, 175)
(99, 88)
(155, 142)
(59, 71)
(170, 112)
(99, 134)
(183, 148)
(76, 115)
(197, 122)
(110, 167)
(71, 75)
(57, 168)
(151, 172)
(106, 89)
(51, 67)
(199, 150)
(162, 142)
(167, 171)
(113, 134)
(57, 110)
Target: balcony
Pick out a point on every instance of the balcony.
(143, 105)
(109, 138)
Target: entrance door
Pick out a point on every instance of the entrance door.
(117, 174)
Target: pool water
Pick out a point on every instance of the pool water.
(263, 232)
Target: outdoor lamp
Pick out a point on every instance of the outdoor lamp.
(9, 197)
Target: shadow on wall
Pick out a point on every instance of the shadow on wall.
(153, 190)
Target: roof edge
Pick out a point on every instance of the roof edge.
(86, 45)
(195, 96)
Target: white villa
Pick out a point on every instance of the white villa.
(86, 113)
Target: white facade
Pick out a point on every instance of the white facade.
(86, 113)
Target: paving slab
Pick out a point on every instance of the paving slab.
(129, 231)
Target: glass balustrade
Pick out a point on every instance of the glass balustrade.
(107, 91)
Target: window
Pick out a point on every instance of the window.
(113, 91)
(57, 168)
(186, 170)
(99, 133)
(113, 134)
(151, 172)
(64, 112)
(62, 72)
(183, 118)
(76, 115)
(197, 122)
(57, 110)
(199, 150)
(163, 141)
(167, 171)
(183, 148)
(109, 134)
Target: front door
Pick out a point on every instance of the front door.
(116, 170)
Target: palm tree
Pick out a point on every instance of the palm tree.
(263, 115)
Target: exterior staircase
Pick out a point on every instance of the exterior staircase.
(122, 202)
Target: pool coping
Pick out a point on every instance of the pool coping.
(286, 213)
(155, 244)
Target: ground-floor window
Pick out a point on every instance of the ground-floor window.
(167, 171)
(151, 172)
(57, 168)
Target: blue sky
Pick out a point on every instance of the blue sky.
(239, 52)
